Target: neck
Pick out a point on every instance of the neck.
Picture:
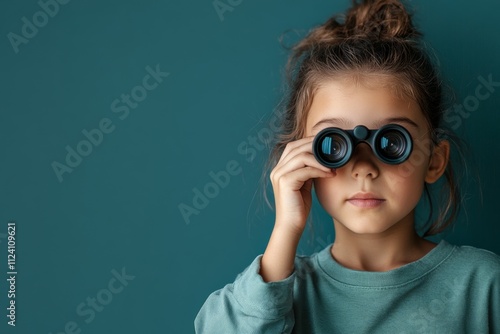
(397, 246)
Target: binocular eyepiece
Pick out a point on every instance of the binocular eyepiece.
(333, 147)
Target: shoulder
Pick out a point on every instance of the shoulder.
(478, 255)
(478, 261)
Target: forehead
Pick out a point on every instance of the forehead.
(350, 103)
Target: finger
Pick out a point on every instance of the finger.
(305, 148)
(307, 187)
(301, 160)
(296, 179)
(292, 145)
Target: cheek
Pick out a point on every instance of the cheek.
(415, 167)
(325, 191)
(405, 183)
(411, 173)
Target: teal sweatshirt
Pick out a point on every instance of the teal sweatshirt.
(451, 289)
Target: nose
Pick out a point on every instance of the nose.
(363, 162)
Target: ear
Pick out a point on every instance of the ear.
(439, 159)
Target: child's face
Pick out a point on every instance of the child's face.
(399, 186)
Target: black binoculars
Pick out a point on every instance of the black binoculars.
(333, 147)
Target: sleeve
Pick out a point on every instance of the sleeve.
(249, 305)
(494, 308)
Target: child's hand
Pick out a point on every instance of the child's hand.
(292, 183)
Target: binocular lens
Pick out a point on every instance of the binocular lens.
(333, 148)
(392, 145)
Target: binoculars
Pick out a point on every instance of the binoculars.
(333, 147)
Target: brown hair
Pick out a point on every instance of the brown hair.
(373, 37)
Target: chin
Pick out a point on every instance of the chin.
(366, 226)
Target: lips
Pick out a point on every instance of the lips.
(366, 200)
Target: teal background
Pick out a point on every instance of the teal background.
(119, 207)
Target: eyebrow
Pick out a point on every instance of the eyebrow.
(343, 122)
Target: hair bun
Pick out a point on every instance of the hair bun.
(372, 20)
(380, 19)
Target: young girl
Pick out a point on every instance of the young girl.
(379, 275)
